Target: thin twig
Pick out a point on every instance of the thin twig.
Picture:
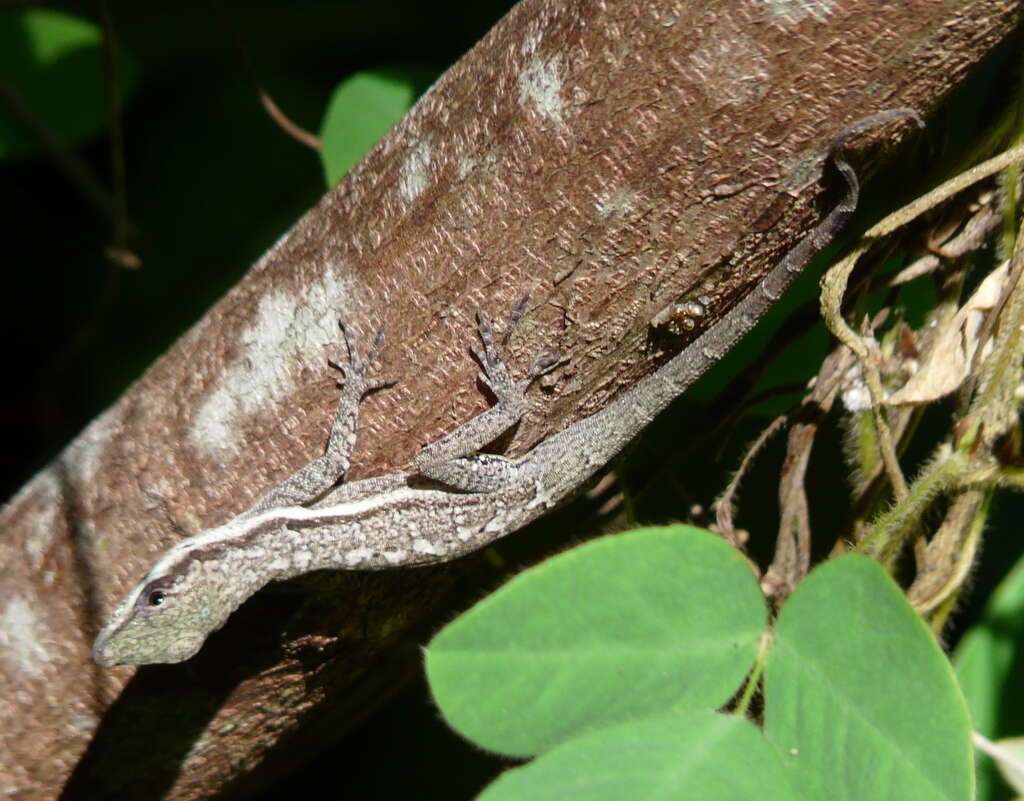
(73, 167)
(118, 250)
(975, 232)
(865, 348)
(724, 503)
(836, 280)
(294, 130)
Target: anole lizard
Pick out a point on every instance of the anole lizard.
(456, 502)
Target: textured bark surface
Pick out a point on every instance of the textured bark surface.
(608, 159)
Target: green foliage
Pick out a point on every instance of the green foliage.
(686, 754)
(585, 640)
(362, 109)
(855, 679)
(610, 660)
(54, 61)
(989, 660)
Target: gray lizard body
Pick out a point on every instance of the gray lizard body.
(456, 502)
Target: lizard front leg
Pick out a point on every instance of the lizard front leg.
(313, 480)
(453, 459)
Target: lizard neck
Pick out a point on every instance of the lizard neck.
(234, 560)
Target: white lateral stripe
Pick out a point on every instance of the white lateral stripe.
(235, 529)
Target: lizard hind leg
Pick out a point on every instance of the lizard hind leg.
(453, 459)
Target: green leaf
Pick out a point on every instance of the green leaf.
(619, 628)
(54, 61)
(859, 698)
(695, 754)
(362, 109)
(989, 662)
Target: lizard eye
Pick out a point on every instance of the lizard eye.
(156, 598)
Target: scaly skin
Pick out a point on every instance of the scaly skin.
(457, 502)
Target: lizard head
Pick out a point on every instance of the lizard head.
(166, 617)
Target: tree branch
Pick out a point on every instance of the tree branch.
(608, 159)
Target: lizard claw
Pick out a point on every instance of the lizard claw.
(348, 333)
(486, 337)
(378, 341)
(494, 374)
(518, 310)
(354, 371)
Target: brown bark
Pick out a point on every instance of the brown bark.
(606, 158)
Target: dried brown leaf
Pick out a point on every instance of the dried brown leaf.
(949, 360)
